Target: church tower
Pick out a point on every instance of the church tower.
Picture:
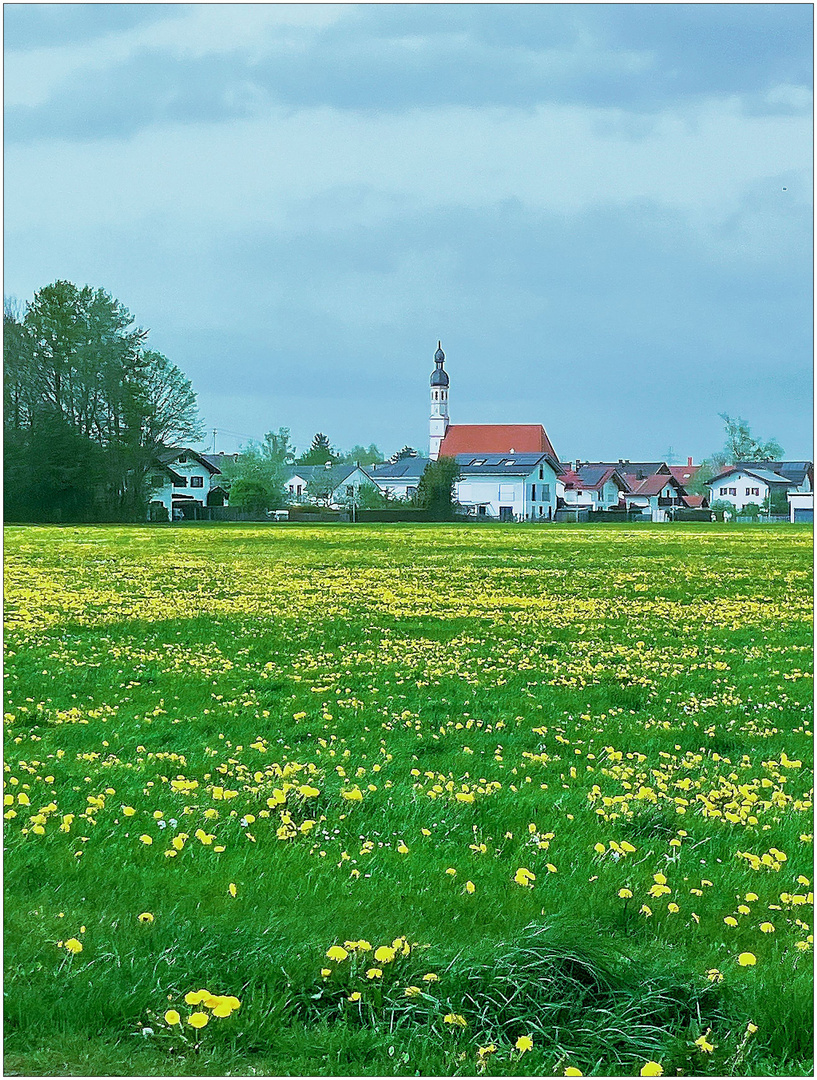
(438, 422)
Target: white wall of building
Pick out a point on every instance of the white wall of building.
(739, 489)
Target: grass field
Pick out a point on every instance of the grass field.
(408, 800)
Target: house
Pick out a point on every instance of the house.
(508, 486)
(743, 484)
(399, 479)
(181, 479)
(800, 474)
(597, 487)
(329, 485)
(659, 495)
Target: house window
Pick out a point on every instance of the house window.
(754, 491)
(182, 459)
(197, 481)
(733, 491)
(541, 472)
(533, 492)
(545, 493)
(180, 481)
(350, 489)
(541, 510)
(292, 489)
(724, 491)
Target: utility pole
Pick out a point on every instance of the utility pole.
(214, 440)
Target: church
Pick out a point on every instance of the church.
(507, 471)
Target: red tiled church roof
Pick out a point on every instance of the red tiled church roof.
(496, 439)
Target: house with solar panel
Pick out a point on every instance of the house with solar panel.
(755, 482)
(507, 471)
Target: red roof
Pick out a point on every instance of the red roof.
(684, 473)
(655, 484)
(496, 439)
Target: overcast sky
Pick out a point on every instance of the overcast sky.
(604, 211)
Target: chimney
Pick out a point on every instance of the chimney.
(689, 462)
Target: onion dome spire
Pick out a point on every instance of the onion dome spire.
(439, 377)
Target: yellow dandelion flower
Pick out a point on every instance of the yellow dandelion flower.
(767, 927)
(172, 1017)
(703, 1043)
(524, 877)
(430, 977)
(573, 1072)
(451, 871)
(385, 954)
(747, 959)
(625, 894)
(222, 1008)
(652, 1068)
(714, 975)
(196, 997)
(469, 887)
(145, 917)
(455, 1020)
(730, 921)
(198, 1019)
(374, 973)
(148, 840)
(354, 996)
(524, 1043)
(412, 991)
(337, 952)
(73, 946)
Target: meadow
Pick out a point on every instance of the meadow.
(408, 800)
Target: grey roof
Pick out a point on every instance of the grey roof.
(794, 471)
(766, 475)
(406, 469)
(508, 464)
(326, 479)
(170, 453)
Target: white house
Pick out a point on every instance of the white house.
(511, 487)
(597, 487)
(330, 485)
(658, 495)
(742, 485)
(182, 478)
(801, 506)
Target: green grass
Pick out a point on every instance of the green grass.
(615, 707)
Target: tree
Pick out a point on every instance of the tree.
(256, 479)
(74, 362)
(435, 491)
(369, 497)
(252, 493)
(363, 455)
(319, 452)
(401, 455)
(740, 445)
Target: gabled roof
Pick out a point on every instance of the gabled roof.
(592, 477)
(695, 502)
(684, 473)
(653, 485)
(219, 459)
(496, 439)
(795, 471)
(325, 479)
(766, 475)
(504, 464)
(170, 453)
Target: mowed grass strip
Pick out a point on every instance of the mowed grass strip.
(389, 800)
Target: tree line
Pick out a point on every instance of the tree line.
(87, 405)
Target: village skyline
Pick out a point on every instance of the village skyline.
(603, 211)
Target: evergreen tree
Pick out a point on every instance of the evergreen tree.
(320, 452)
